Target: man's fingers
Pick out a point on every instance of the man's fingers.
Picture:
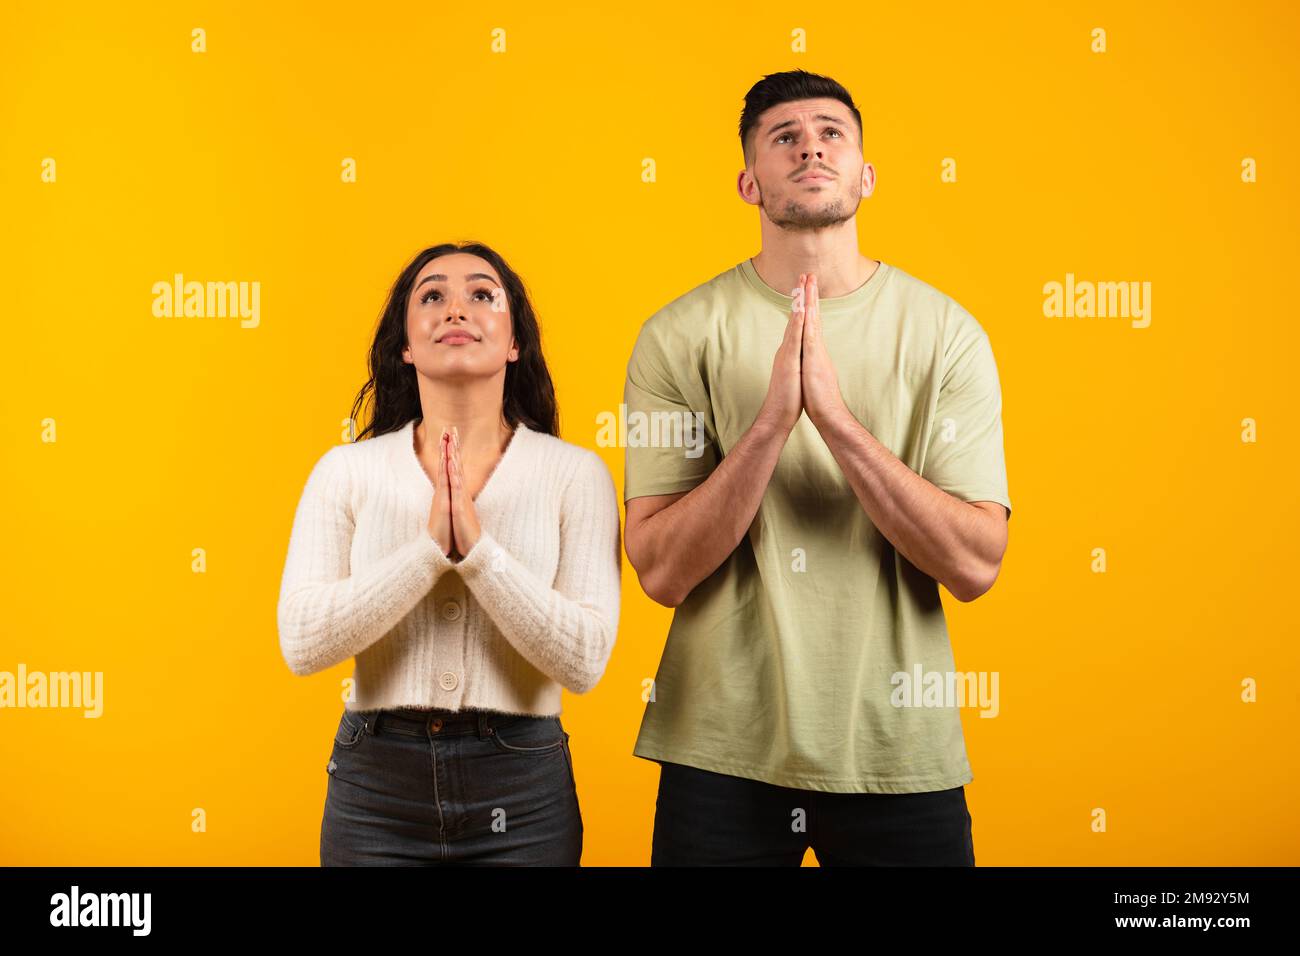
(811, 310)
(815, 307)
(795, 327)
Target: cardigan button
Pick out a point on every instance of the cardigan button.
(449, 680)
(451, 611)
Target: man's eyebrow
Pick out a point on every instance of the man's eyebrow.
(821, 116)
(439, 277)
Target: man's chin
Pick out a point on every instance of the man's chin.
(801, 217)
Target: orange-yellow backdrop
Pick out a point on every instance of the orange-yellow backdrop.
(1119, 690)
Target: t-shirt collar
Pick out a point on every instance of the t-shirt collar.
(841, 303)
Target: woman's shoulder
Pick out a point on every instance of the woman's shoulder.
(552, 446)
(573, 460)
(353, 460)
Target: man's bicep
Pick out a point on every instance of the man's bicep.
(965, 455)
(671, 444)
(646, 506)
(995, 509)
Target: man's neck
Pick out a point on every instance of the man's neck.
(831, 254)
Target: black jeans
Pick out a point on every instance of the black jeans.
(413, 787)
(704, 818)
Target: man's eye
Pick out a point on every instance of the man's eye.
(787, 135)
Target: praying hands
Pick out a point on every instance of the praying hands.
(453, 522)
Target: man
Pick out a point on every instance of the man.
(851, 461)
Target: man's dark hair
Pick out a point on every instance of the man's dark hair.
(777, 88)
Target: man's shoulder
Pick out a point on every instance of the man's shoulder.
(702, 300)
(919, 298)
(914, 290)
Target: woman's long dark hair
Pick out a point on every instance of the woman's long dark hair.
(529, 394)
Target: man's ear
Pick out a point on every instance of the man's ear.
(746, 181)
(868, 180)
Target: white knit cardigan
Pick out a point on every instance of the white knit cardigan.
(533, 606)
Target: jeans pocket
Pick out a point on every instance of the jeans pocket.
(352, 727)
(573, 778)
(529, 735)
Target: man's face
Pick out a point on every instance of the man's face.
(807, 172)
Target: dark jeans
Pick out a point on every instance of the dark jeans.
(412, 787)
(704, 818)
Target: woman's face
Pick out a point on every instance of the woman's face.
(458, 319)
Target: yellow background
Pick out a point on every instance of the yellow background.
(1119, 691)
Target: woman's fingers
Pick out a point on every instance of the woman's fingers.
(442, 459)
(444, 486)
(456, 488)
(440, 511)
(452, 471)
(465, 526)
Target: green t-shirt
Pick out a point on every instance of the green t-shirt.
(780, 666)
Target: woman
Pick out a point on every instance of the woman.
(469, 559)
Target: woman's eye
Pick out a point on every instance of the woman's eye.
(432, 292)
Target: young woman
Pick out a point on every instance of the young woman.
(469, 559)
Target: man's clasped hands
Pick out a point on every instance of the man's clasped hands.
(803, 377)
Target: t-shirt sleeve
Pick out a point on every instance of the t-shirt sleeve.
(671, 444)
(965, 455)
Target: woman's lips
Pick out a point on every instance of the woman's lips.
(456, 338)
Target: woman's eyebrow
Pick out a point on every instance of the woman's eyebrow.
(438, 277)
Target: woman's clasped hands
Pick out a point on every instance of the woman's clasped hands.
(453, 522)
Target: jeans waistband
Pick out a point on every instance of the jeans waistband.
(418, 722)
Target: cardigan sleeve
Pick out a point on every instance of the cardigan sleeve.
(566, 632)
(327, 614)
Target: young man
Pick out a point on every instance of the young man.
(850, 461)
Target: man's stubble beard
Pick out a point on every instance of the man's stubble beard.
(806, 217)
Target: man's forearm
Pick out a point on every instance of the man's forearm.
(947, 538)
(687, 541)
